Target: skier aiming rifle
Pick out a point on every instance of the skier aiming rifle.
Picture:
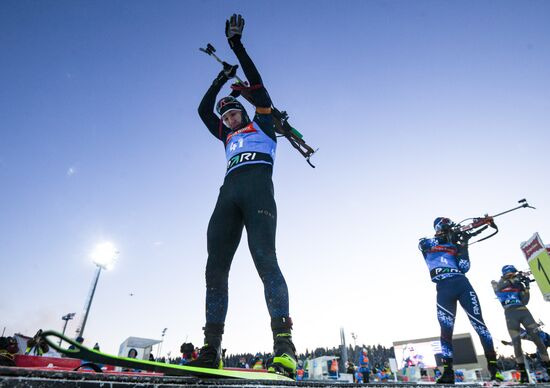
(446, 255)
(245, 200)
(512, 291)
(447, 258)
(448, 263)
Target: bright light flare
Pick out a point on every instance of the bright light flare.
(104, 255)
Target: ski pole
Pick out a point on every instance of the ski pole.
(210, 50)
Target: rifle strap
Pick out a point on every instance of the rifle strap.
(492, 225)
(475, 233)
(245, 88)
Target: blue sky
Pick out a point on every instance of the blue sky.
(420, 109)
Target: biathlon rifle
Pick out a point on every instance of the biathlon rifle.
(461, 233)
(525, 277)
(282, 126)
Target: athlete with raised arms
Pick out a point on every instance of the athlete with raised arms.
(246, 199)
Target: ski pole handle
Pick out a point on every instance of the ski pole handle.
(210, 50)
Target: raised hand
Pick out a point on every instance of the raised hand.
(234, 29)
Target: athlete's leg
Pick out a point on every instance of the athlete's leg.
(470, 303)
(446, 315)
(513, 325)
(533, 332)
(223, 236)
(260, 217)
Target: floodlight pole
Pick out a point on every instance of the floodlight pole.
(80, 330)
(161, 341)
(103, 256)
(66, 318)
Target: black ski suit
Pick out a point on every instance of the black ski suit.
(246, 199)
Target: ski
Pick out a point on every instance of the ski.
(94, 356)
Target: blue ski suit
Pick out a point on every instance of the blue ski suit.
(448, 264)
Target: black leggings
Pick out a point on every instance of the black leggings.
(245, 199)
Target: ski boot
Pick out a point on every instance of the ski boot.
(448, 375)
(523, 376)
(284, 352)
(496, 376)
(210, 355)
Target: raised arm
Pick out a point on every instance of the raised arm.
(206, 106)
(233, 30)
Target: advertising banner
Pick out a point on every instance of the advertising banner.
(538, 258)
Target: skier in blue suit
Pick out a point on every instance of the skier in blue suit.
(512, 290)
(448, 263)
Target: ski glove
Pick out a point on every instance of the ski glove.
(234, 29)
(228, 72)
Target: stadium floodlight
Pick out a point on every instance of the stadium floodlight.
(66, 318)
(103, 256)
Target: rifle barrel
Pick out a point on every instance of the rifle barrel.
(511, 210)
